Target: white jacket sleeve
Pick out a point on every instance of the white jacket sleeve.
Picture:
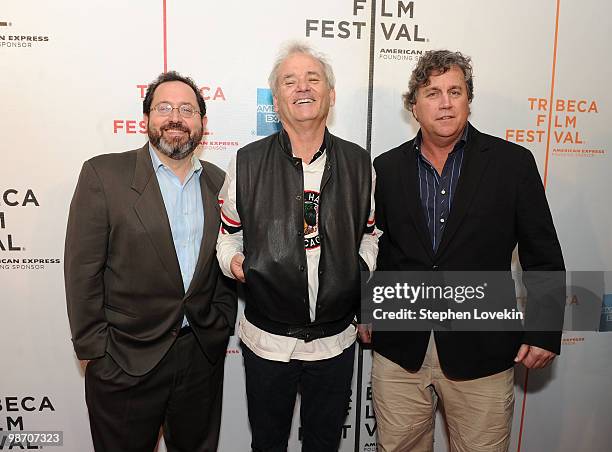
(368, 248)
(229, 241)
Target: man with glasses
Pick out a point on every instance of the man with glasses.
(149, 310)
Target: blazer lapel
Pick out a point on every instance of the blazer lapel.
(211, 228)
(475, 161)
(409, 178)
(151, 211)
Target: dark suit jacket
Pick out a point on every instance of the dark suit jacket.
(124, 291)
(499, 202)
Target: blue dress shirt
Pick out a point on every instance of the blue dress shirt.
(183, 202)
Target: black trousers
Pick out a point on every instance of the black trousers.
(272, 387)
(183, 393)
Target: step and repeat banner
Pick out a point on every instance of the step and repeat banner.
(73, 77)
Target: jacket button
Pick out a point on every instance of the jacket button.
(434, 267)
(320, 272)
(301, 268)
(298, 197)
(300, 233)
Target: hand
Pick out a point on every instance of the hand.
(236, 267)
(83, 363)
(364, 330)
(534, 357)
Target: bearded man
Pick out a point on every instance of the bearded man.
(150, 312)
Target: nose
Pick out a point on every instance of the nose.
(303, 84)
(175, 114)
(445, 100)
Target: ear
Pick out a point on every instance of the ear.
(332, 97)
(275, 102)
(204, 122)
(146, 121)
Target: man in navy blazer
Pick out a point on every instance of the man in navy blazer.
(454, 198)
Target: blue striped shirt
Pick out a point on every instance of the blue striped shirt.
(437, 190)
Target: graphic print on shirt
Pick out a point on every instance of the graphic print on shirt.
(311, 220)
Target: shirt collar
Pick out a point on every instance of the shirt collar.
(458, 145)
(196, 165)
(285, 144)
(318, 154)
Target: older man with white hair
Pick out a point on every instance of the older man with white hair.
(297, 228)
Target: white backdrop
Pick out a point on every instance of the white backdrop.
(71, 86)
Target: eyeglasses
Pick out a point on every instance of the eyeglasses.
(166, 109)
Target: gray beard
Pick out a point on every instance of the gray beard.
(175, 152)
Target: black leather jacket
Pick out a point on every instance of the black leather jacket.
(270, 187)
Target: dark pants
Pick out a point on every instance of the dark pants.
(183, 393)
(272, 386)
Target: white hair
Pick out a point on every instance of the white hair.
(300, 47)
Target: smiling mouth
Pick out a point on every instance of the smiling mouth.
(174, 130)
(303, 101)
(442, 118)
